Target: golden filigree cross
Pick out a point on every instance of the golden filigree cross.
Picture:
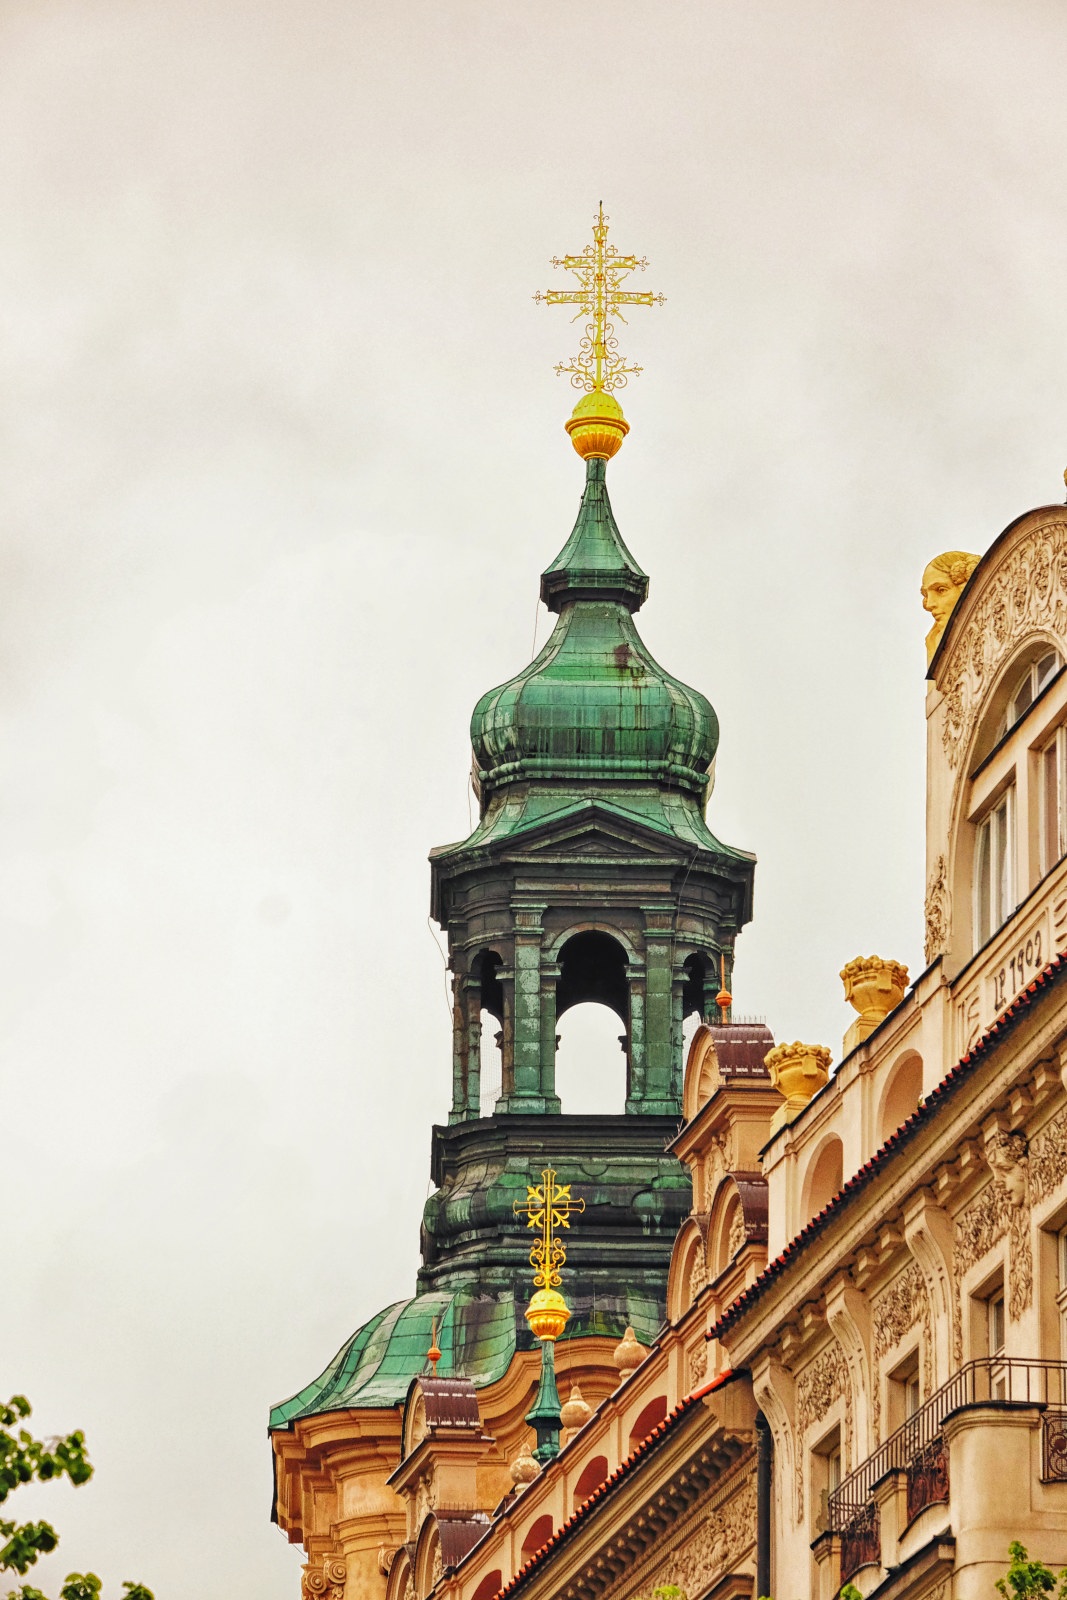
(548, 1206)
(600, 270)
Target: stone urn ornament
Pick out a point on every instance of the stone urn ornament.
(798, 1071)
(874, 987)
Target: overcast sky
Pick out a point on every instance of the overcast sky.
(282, 459)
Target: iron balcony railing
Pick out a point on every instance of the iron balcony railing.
(916, 1446)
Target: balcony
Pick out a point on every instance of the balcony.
(918, 1452)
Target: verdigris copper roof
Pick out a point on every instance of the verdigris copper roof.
(594, 705)
(477, 1336)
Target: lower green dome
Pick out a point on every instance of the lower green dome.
(477, 1334)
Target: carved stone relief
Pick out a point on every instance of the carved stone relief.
(1048, 1158)
(894, 1313)
(719, 1539)
(1028, 593)
(698, 1272)
(325, 1581)
(993, 1215)
(738, 1234)
(937, 911)
(822, 1381)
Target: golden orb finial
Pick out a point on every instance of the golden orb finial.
(597, 426)
(548, 1206)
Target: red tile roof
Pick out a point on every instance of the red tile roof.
(994, 1034)
(602, 1490)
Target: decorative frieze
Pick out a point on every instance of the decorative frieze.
(713, 1541)
(997, 1213)
(1028, 594)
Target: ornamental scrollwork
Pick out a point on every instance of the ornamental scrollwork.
(721, 1539)
(1048, 1158)
(994, 1216)
(1028, 593)
(894, 1313)
(937, 908)
(325, 1581)
(822, 1381)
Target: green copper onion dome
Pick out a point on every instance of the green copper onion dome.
(594, 704)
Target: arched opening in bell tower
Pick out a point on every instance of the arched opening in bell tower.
(592, 1000)
(485, 973)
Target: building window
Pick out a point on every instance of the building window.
(994, 868)
(995, 1323)
(826, 1474)
(904, 1399)
(1052, 801)
(1034, 679)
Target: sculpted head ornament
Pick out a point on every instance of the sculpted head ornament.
(942, 585)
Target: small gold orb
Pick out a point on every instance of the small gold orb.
(597, 426)
(547, 1314)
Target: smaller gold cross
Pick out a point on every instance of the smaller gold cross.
(548, 1206)
(600, 270)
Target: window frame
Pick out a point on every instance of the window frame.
(1002, 858)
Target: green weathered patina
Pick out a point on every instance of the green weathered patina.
(591, 875)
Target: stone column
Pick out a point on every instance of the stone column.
(525, 1093)
(549, 979)
(655, 1093)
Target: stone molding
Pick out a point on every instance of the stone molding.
(1026, 593)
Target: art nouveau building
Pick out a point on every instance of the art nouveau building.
(848, 1283)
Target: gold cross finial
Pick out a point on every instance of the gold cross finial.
(597, 427)
(547, 1207)
(600, 270)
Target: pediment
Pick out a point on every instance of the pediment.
(594, 833)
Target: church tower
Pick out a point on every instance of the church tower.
(591, 876)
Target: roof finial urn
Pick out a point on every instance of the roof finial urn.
(798, 1071)
(875, 987)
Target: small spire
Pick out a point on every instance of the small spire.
(433, 1354)
(724, 999)
(597, 426)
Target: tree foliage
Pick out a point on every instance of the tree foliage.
(1030, 1580)
(24, 1459)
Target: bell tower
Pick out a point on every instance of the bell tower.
(591, 875)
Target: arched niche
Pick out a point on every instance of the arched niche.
(537, 1534)
(648, 1418)
(401, 1577)
(900, 1097)
(824, 1176)
(688, 1271)
(702, 1075)
(592, 1476)
(427, 1561)
(490, 1585)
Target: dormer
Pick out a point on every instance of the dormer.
(729, 1101)
(996, 911)
(443, 1448)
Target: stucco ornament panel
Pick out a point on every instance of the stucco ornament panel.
(894, 1313)
(698, 1273)
(819, 1385)
(326, 1581)
(996, 1214)
(1048, 1158)
(716, 1546)
(937, 908)
(1027, 593)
